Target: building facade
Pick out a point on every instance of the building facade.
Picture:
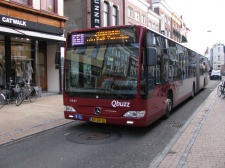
(139, 13)
(92, 13)
(171, 24)
(217, 57)
(154, 14)
(30, 31)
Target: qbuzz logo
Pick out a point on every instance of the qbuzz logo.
(116, 103)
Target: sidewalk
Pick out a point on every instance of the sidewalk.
(201, 142)
(30, 118)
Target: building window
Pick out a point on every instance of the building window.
(24, 2)
(149, 24)
(49, 5)
(130, 12)
(143, 19)
(168, 33)
(137, 16)
(165, 32)
(106, 14)
(156, 27)
(218, 57)
(115, 16)
(169, 21)
(153, 25)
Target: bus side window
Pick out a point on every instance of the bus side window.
(157, 74)
(158, 66)
(150, 77)
(165, 68)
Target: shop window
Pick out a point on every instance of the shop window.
(49, 5)
(24, 2)
(21, 61)
(2, 62)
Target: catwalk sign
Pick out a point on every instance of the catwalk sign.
(14, 21)
(95, 13)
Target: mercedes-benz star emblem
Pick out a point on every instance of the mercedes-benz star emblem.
(97, 110)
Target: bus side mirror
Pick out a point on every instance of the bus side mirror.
(151, 59)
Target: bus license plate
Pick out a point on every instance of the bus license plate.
(98, 120)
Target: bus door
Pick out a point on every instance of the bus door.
(160, 89)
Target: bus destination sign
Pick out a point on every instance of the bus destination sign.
(103, 37)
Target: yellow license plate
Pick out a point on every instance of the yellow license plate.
(98, 120)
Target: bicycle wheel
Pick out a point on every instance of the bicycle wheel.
(33, 95)
(2, 100)
(19, 98)
(219, 90)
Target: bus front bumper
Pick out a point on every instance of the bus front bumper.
(137, 122)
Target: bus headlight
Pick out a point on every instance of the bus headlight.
(70, 109)
(135, 114)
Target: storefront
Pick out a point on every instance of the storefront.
(27, 52)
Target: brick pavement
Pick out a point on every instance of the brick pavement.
(201, 143)
(30, 118)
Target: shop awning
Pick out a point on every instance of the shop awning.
(8, 30)
(31, 33)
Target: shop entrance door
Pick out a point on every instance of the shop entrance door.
(41, 67)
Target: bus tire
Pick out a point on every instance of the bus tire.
(169, 106)
(193, 92)
(203, 88)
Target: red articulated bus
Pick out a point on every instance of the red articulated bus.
(128, 75)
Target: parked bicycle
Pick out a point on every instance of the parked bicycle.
(29, 92)
(2, 100)
(11, 94)
(221, 89)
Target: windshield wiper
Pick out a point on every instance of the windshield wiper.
(121, 96)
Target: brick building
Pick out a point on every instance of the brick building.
(154, 14)
(93, 13)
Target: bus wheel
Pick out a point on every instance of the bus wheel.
(193, 92)
(169, 106)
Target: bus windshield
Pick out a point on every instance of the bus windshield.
(102, 71)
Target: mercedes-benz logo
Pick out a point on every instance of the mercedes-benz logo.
(97, 110)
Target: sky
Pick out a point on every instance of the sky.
(204, 18)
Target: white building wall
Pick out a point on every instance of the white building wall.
(143, 5)
(52, 73)
(218, 56)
